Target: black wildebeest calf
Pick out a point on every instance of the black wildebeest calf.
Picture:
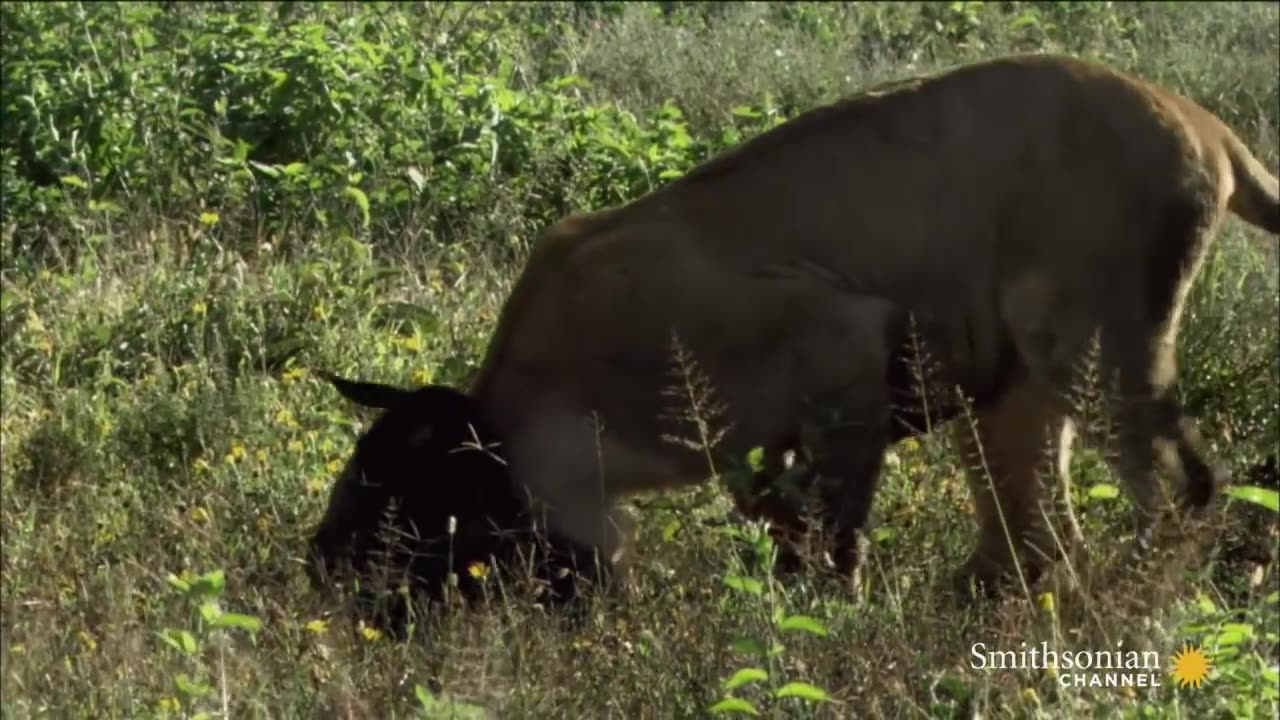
(427, 494)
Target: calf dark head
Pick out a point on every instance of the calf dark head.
(430, 462)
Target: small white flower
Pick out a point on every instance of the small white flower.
(892, 460)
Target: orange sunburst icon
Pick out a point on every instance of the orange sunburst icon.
(1190, 666)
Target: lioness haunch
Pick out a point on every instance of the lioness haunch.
(1016, 209)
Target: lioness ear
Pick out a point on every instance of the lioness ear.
(367, 394)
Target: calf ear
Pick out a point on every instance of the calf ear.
(367, 394)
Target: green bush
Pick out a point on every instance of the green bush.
(284, 124)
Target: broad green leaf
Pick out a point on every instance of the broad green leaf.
(805, 623)
(802, 690)
(1234, 634)
(238, 620)
(670, 529)
(734, 705)
(211, 583)
(189, 687)
(361, 200)
(1269, 499)
(883, 534)
(745, 584)
(106, 207)
(180, 640)
(278, 78)
(1028, 18)
(744, 676)
(74, 181)
(1206, 605)
(1104, 491)
(210, 611)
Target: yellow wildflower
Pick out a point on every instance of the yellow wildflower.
(237, 452)
(293, 374)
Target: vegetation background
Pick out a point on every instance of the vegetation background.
(203, 200)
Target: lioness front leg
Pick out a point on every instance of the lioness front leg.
(849, 472)
(841, 347)
(850, 434)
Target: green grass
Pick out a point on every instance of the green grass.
(202, 201)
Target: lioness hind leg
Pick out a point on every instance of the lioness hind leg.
(1003, 453)
(1152, 431)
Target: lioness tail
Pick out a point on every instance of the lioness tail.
(1257, 194)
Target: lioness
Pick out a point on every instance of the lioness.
(1015, 208)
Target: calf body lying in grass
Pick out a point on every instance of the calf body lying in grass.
(1017, 209)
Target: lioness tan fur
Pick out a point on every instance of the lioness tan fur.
(1015, 208)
